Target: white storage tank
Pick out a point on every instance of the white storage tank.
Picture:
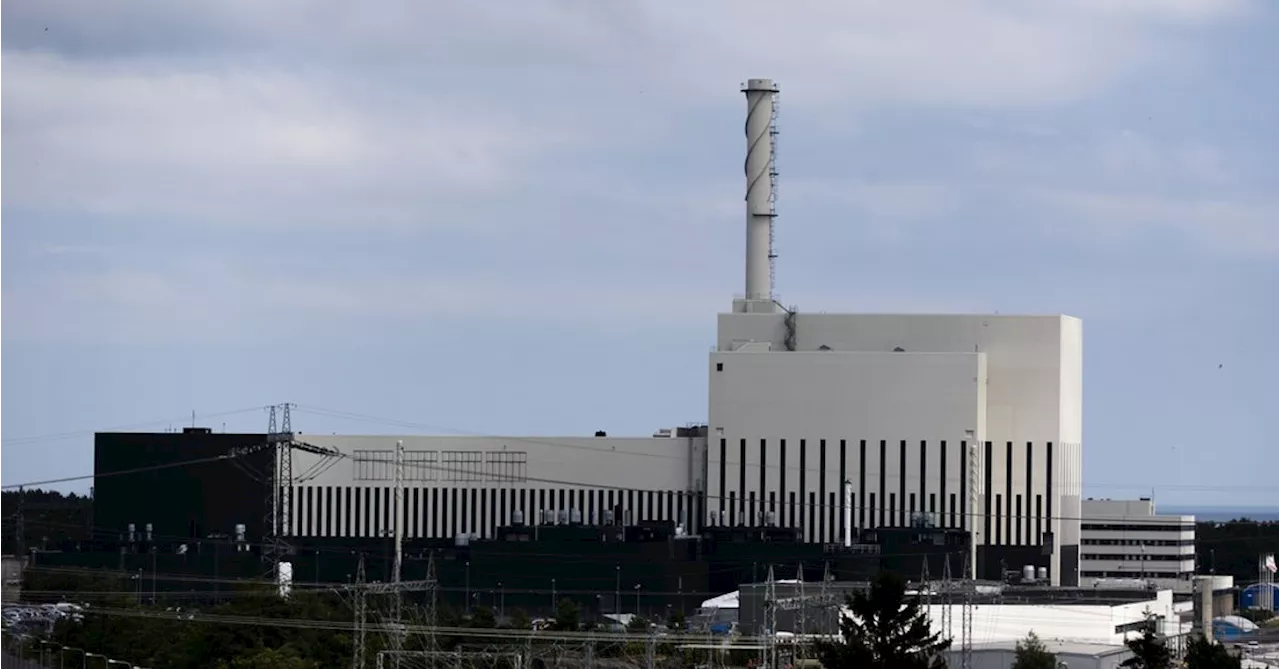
(1029, 573)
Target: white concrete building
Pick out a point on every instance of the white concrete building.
(1095, 623)
(1125, 539)
(473, 485)
(800, 403)
(973, 420)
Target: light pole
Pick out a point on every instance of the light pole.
(502, 600)
(553, 596)
(617, 588)
(637, 599)
(468, 587)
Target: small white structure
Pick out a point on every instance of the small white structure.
(1070, 655)
(1103, 624)
(1125, 539)
(284, 578)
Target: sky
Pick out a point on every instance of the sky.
(521, 217)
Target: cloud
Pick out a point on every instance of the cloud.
(513, 151)
(266, 147)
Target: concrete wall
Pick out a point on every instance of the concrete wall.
(1014, 381)
(472, 485)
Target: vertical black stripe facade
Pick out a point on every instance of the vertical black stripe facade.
(811, 515)
(1031, 539)
(902, 482)
(1048, 490)
(881, 490)
(724, 482)
(924, 460)
(741, 509)
(804, 472)
(822, 490)
(986, 511)
(763, 481)
(966, 523)
(1007, 511)
(788, 514)
(844, 476)
(942, 481)
(862, 484)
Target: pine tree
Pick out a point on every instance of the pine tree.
(885, 629)
(1149, 652)
(1205, 654)
(1031, 653)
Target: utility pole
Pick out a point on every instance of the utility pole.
(397, 638)
(966, 623)
(357, 646)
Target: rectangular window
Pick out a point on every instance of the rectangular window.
(420, 465)
(462, 466)
(506, 466)
(372, 465)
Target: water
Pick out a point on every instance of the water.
(1221, 513)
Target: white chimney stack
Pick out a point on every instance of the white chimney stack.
(761, 182)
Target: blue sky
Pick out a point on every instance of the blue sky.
(523, 221)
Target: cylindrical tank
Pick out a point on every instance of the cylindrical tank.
(575, 516)
(462, 540)
(517, 517)
(1029, 572)
(1042, 573)
(563, 517)
(240, 532)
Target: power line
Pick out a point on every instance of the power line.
(59, 436)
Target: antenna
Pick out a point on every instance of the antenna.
(762, 181)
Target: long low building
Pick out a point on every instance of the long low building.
(471, 486)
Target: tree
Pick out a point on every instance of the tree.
(483, 618)
(568, 616)
(1149, 652)
(885, 630)
(1205, 654)
(1031, 653)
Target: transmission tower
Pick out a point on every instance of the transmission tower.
(280, 499)
(432, 589)
(357, 646)
(770, 659)
(828, 603)
(803, 618)
(926, 586)
(946, 598)
(966, 623)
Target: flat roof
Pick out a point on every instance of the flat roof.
(1057, 647)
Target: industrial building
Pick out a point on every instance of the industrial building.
(1125, 539)
(906, 437)
(1002, 614)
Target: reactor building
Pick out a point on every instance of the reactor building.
(832, 427)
